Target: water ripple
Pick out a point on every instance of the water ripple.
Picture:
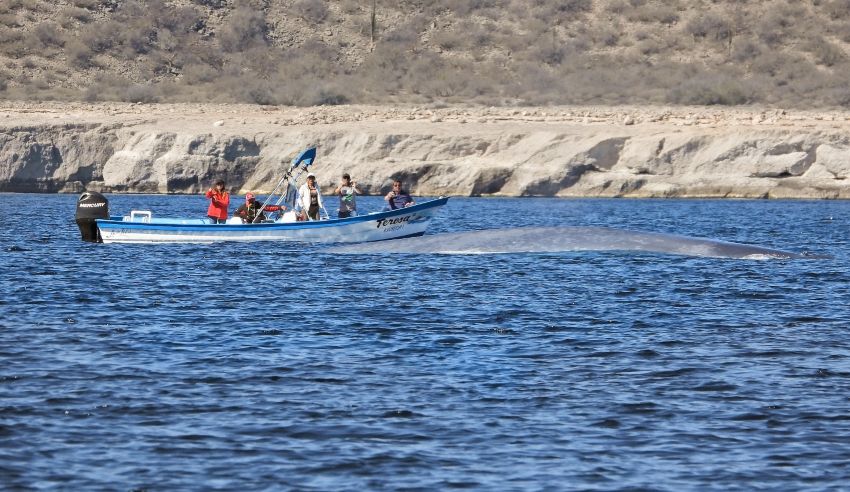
(269, 366)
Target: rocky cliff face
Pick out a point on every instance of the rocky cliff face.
(439, 151)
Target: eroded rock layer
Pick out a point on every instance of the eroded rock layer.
(599, 152)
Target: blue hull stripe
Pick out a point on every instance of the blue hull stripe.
(176, 227)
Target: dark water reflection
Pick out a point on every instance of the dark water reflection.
(267, 366)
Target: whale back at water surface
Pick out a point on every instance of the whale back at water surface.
(566, 239)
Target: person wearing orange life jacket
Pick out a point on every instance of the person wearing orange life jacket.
(219, 201)
(248, 211)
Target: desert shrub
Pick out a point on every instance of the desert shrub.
(616, 6)
(38, 84)
(296, 92)
(841, 30)
(314, 58)
(773, 27)
(32, 5)
(199, 73)
(86, 4)
(166, 41)
(139, 93)
(350, 7)
(103, 36)
(836, 95)
(244, 28)
(573, 6)
(517, 42)
(478, 35)
(709, 26)
(551, 54)
(606, 36)
(213, 4)
(562, 12)
(745, 51)
(138, 39)
(9, 20)
(825, 52)
(382, 71)
(532, 83)
(186, 19)
(448, 40)
(447, 81)
(78, 54)
(650, 47)
(662, 14)
(781, 66)
(313, 11)
(710, 90)
(330, 93)
(48, 34)
(107, 88)
(837, 9)
(406, 33)
(770, 63)
(68, 15)
(203, 53)
(468, 7)
(331, 96)
(12, 43)
(258, 92)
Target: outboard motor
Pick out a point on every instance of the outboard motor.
(91, 206)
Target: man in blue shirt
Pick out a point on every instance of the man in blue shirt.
(398, 198)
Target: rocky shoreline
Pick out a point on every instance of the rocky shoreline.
(438, 150)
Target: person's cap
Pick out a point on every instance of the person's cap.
(249, 196)
(311, 175)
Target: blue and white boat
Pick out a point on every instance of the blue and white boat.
(96, 225)
(141, 227)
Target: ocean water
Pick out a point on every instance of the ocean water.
(287, 366)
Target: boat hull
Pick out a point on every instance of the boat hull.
(380, 226)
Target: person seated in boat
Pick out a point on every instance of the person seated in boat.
(248, 211)
(346, 191)
(310, 199)
(398, 197)
(219, 201)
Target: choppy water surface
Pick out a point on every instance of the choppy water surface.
(266, 366)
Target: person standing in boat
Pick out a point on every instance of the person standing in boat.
(219, 202)
(346, 192)
(310, 199)
(398, 197)
(249, 210)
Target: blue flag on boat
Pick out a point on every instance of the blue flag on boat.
(307, 157)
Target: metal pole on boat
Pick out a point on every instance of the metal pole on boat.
(306, 158)
(286, 176)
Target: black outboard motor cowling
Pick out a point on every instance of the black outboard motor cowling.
(91, 206)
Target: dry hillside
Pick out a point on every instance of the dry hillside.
(493, 52)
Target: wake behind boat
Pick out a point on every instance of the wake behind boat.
(96, 225)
